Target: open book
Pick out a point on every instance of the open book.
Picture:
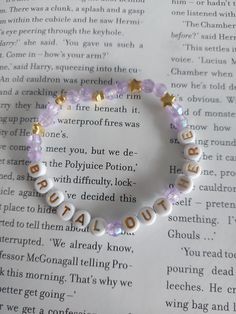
(185, 262)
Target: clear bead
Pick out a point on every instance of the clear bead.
(173, 195)
(114, 229)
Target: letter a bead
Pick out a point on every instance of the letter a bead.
(162, 206)
(37, 169)
(65, 211)
(147, 216)
(81, 218)
(54, 198)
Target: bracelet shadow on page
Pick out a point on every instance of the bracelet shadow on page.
(130, 222)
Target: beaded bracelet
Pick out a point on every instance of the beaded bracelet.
(147, 215)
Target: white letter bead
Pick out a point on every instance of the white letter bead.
(81, 218)
(147, 216)
(162, 207)
(192, 169)
(43, 184)
(186, 136)
(97, 226)
(37, 169)
(65, 211)
(130, 223)
(192, 152)
(54, 198)
(184, 184)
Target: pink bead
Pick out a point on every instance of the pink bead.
(34, 156)
(147, 86)
(159, 89)
(173, 195)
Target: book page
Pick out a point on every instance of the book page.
(116, 157)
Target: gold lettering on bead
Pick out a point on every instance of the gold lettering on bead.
(162, 203)
(187, 135)
(193, 168)
(129, 222)
(34, 168)
(95, 226)
(143, 213)
(43, 184)
(80, 219)
(183, 182)
(66, 209)
(193, 151)
(52, 198)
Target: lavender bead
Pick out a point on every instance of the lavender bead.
(176, 109)
(110, 92)
(122, 87)
(159, 89)
(53, 108)
(35, 146)
(34, 156)
(46, 118)
(173, 195)
(180, 122)
(114, 228)
(34, 139)
(147, 86)
(85, 93)
(73, 97)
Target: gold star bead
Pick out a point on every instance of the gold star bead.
(168, 100)
(98, 96)
(37, 128)
(60, 99)
(135, 86)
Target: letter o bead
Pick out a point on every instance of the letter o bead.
(65, 211)
(54, 198)
(130, 223)
(81, 218)
(147, 216)
(97, 226)
(162, 206)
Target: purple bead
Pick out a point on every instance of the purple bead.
(110, 92)
(147, 86)
(34, 156)
(176, 109)
(73, 97)
(114, 229)
(35, 146)
(46, 118)
(53, 108)
(122, 87)
(180, 122)
(34, 139)
(85, 93)
(173, 195)
(159, 89)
